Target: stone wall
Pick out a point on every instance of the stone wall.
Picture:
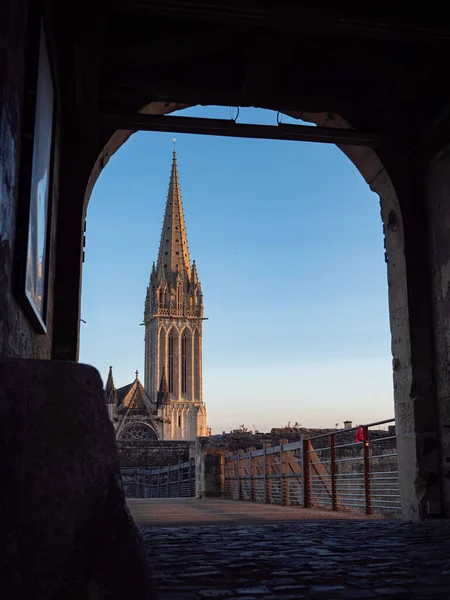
(236, 441)
(146, 455)
(439, 217)
(18, 338)
(65, 530)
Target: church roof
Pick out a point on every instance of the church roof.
(133, 397)
(122, 392)
(173, 254)
(134, 404)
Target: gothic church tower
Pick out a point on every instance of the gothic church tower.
(173, 318)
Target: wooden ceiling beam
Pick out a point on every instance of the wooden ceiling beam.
(308, 100)
(170, 47)
(229, 128)
(304, 17)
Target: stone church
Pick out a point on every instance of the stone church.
(169, 406)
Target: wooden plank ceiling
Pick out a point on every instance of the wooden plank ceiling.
(382, 73)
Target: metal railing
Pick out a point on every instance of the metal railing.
(331, 470)
(177, 481)
(343, 474)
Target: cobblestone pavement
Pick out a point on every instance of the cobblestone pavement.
(303, 559)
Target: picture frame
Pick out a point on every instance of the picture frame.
(34, 214)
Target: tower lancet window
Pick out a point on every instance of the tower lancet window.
(171, 362)
(183, 363)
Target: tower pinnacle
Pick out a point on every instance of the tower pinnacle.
(110, 389)
(173, 253)
(173, 319)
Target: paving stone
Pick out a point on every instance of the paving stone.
(196, 574)
(325, 590)
(215, 593)
(357, 594)
(398, 592)
(254, 591)
(299, 561)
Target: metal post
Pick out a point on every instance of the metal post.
(284, 470)
(251, 482)
(368, 499)
(265, 473)
(281, 475)
(333, 471)
(167, 482)
(239, 474)
(252, 469)
(192, 484)
(158, 485)
(306, 475)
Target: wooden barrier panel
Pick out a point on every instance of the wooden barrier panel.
(331, 470)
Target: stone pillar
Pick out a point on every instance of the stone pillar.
(210, 471)
(407, 248)
(438, 181)
(199, 469)
(61, 474)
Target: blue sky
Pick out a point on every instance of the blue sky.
(288, 243)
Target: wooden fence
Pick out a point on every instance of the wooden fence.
(327, 471)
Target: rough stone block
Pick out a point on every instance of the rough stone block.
(65, 530)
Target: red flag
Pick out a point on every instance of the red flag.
(360, 434)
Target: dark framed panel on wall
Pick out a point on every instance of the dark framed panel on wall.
(34, 214)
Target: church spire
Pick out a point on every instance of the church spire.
(173, 254)
(163, 392)
(194, 277)
(110, 389)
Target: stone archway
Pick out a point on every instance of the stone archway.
(399, 185)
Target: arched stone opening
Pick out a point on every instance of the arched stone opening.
(187, 364)
(173, 361)
(162, 353)
(399, 185)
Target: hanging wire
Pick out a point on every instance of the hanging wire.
(237, 114)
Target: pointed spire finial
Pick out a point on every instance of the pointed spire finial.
(137, 374)
(110, 381)
(173, 252)
(162, 396)
(110, 388)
